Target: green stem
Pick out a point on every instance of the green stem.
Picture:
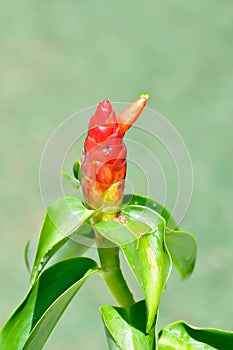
(110, 266)
(110, 262)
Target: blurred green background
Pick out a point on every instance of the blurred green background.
(58, 57)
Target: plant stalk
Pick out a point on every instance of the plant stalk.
(111, 272)
(110, 265)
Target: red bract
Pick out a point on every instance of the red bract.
(103, 164)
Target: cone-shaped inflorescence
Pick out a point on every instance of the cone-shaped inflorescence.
(103, 166)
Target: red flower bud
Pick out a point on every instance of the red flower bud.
(103, 165)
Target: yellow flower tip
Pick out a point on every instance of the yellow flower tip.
(145, 96)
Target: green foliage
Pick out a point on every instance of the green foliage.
(76, 170)
(63, 218)
(72, 180)
(182, 247)
(30, 325)
(125, 327)
(137, 199)
(151, 242)
(181, 336)
(142, 242)
(70, 249)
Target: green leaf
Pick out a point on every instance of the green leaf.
(181, 336)
(72, 180)
(137, 199)
(141, 239)
(70, 249)
(63, 218)
(125, 327)
(76, 170)
(182, 247)
(30, 325)
(30, 251)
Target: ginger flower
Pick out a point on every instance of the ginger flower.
(103, 165)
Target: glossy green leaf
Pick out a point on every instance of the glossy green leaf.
(63, 218)
(72, 180)
(181, 336)
(30, 251)
(141, 239)
(30, 325)
(137, 199)
(76, 170)
(70, 249)
(182, 247)
(125, 328)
